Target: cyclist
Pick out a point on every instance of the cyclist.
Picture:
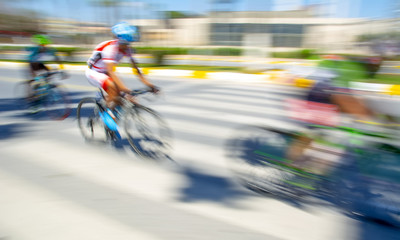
(331, 86)
(36, 65)
(106, 56)
(38, 52)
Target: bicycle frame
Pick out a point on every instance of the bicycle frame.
(133, 119)
(44, 94)
(43, 84)
(126, 106)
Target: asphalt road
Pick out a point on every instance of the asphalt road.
(55, 186)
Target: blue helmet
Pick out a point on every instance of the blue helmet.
(125, 33)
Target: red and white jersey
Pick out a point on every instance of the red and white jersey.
(107, 51)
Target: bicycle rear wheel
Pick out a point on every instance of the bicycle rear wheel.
(147, 133)
(56, 103)
(89, 121)
(258, 159)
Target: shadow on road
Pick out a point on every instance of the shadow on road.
(200, 186)
(14, 110)
(12, 130)
(20, 109)
(368, 229)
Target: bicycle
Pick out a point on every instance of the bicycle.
(360, 176)
(147, 133)
(44, 92)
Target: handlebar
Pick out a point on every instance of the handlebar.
(137, 92)
(134, 92)
(62, 74)
(144, 90)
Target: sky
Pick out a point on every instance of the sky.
(84, 10)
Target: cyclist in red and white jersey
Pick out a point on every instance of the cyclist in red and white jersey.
(107, 55)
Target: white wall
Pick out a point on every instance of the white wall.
(327, 34)
(191, 31)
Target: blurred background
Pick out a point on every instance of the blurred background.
(50, 180)
(262, 28)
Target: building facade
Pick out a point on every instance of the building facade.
(281, 31)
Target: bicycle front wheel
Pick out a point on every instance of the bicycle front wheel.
(56, 103)
(147, 133)
(90, 124)
(258, 158)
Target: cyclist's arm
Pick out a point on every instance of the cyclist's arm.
(110, 70)
(140, 74)
(56, 58)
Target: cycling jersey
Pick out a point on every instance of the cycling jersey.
(39, 52)
(334, 76)
(345, 71)
(107, 51)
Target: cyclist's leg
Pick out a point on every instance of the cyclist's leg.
(34, 101)
(352, 105)
(295, 151)
(113, 94)
(103, 81)
(319, 93)
(112, 90)
(35, 67)
(312, 156)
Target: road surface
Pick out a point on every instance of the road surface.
(54, 185)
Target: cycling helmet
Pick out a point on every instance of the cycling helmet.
(41, 39)
(125, 33)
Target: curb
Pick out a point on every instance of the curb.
(272, 76)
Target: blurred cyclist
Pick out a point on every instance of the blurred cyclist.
(332, 86)
(36, 65)
(106, 56)
(39, 51)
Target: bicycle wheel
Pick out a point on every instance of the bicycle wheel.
(56, 103)
(258, 159)
(22, 94)
(90, 124)
(147, 133)
(367, 187)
